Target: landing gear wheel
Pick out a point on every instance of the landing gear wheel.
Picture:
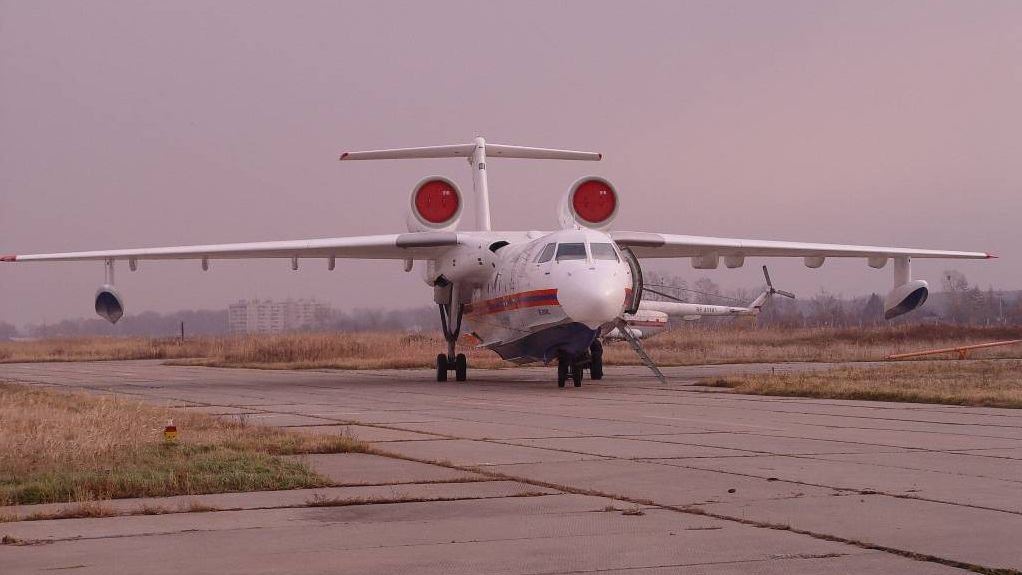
(576, 374)
(450, 321)
(441, 367)
(596, 364)
(562, 371)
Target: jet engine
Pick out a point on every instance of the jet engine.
(435, 206)
(905, 298)
(590, 202)
(109, 303)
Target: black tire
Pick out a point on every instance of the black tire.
(562, 371)
(596, 363)
(576, 373)
(441, 367)
(460, 367)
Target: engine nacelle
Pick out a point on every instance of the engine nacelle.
(905, 298)
(590, 202)
(435, 205)
(109, 303)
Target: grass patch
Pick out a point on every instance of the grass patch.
(974, 383)
(687, 345)
(738, 344)
(60, 447)
(78, 511)
(104, 349)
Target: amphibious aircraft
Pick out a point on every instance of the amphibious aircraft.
(530, 296)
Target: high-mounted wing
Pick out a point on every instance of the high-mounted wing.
(650, 245)
(416, 245)
(706, 253)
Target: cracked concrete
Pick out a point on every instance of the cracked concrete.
(526, 472)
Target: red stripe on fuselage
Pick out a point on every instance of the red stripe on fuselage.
(535, 298)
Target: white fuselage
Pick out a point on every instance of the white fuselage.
(538, 295)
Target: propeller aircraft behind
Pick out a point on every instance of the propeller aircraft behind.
(651, 317)
(529, 296)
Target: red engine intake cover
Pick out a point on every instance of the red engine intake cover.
(437, 201)
(594, 200)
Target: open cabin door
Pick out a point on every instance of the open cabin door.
(632, 305)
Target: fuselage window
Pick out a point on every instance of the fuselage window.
(546, 254)
(571, 252)
(604, 252)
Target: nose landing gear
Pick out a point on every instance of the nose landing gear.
(574, 367)
(569, 367)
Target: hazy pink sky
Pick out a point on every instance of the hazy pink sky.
(164, 123)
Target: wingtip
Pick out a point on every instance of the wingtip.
(8, 258)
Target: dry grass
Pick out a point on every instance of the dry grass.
(291, 351)
(58, 447)
(977, 383)
(688, 345)
(76, 511)
(735, 344)
(339, 351)
(104, 348)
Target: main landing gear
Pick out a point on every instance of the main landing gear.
(450, 320)
(573, 367)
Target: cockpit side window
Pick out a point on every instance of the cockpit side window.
(546, 254)
(571, 252)
(603, 251)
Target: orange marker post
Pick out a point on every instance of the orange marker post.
(170, 432)
(962, 351)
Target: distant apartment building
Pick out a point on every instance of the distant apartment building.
(265, 316)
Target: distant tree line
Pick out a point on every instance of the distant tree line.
(958, 303)
(214, 322)
(149, 323)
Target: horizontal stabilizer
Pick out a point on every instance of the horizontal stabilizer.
(466, 150)
(502, 151)
(455, 151)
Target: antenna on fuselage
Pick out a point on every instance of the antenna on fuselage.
(476, 153)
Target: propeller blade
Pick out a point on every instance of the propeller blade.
(770, 285)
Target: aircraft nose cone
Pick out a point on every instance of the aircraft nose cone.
(591, 300)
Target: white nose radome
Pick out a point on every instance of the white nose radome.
(591, 299)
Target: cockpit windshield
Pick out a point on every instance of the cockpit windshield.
(571, 252)
(603, 251)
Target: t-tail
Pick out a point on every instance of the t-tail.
(476, 152)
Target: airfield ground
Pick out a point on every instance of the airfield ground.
(508, 474)
(690, 345)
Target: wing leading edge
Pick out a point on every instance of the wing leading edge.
(415, 245)
(651, 245)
